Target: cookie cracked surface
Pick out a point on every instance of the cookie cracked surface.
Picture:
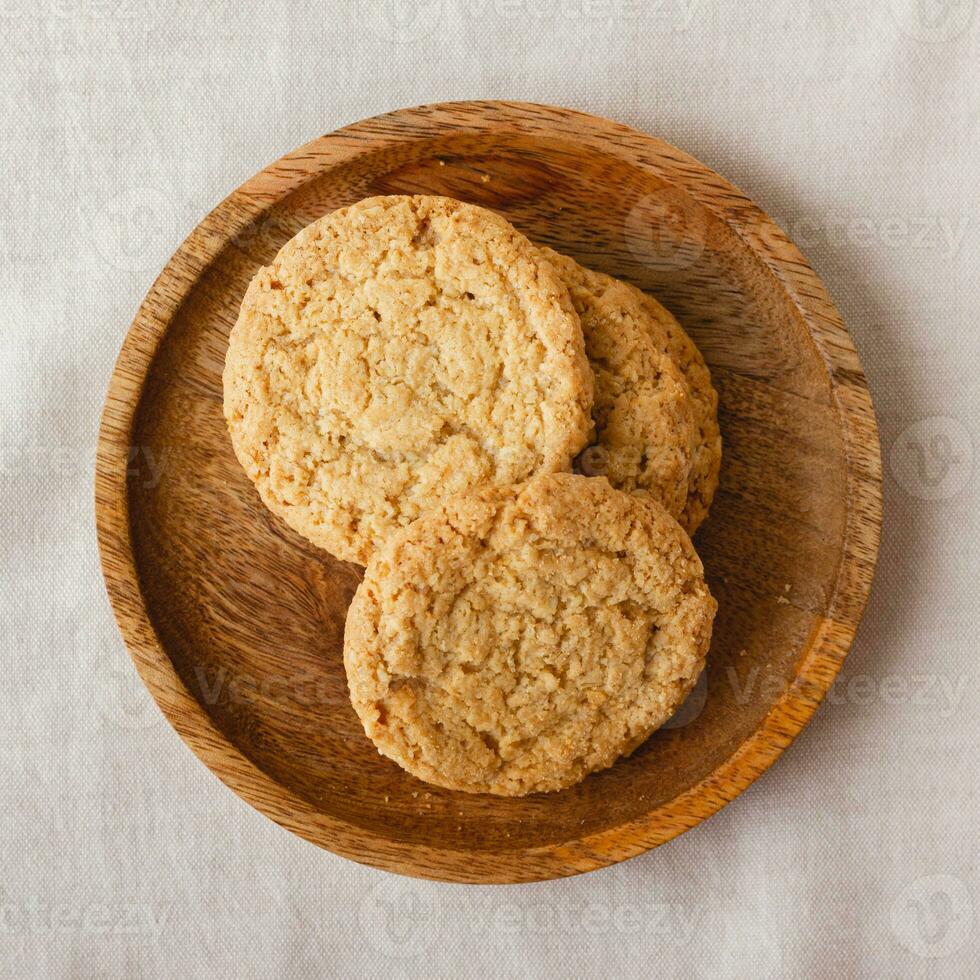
(515, 639)
(394, 353)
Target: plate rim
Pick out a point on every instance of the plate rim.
(827, 645)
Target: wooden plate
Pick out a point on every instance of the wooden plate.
(236, 624)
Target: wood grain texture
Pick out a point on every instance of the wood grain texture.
(236, 624)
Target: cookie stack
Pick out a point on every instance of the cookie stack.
(517, 448)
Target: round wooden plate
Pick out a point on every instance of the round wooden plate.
(236, 624)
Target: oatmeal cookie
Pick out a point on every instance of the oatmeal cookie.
(645, 435)
(669, 337)
(397, 352)
(515, 639)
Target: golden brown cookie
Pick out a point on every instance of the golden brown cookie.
(669, 337)
(645, 434)
(397, 352)
(611, 310)
(515, 639)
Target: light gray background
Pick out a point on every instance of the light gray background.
(856, 125)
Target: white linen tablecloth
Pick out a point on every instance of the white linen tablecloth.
(857, 125)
